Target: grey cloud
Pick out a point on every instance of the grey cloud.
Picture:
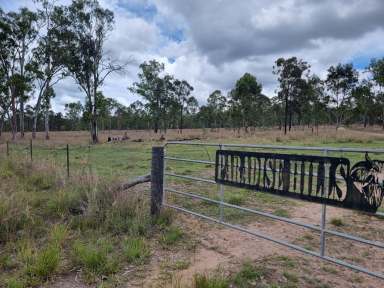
(229, 30)
(223, 39)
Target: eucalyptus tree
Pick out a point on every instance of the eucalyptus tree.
(13, 83)
(73, 112)
(217, 103)
(190, 111)
(87, 28)
(48, 54)
(49, 93)
(341, 80)
(276, 111)
(4, 100)
(317, 100)
(291, 79)
(9, 75)
(106, 108)
(182, 92)
(140, 117)
(156, 90)
(246, 97)
(376, 69)
(202, 117)
(364, 99)
(24, 31)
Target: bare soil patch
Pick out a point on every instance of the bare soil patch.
(226, 249)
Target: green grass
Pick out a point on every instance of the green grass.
(49, 224)
(337, 222)
(207, 281)
(286, 262)
(45, 263)
(291, 277)
(236, 199)
(136, 250)
(247, 274)
(171, 236)
(14, 283)
(95, 259)
(282, 213)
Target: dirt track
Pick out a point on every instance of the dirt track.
(226, 249)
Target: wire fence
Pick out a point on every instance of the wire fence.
(110, 160)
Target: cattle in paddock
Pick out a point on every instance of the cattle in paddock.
(118, 138)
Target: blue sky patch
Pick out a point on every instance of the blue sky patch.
(145, 11)
(361, 62)
(172, 33)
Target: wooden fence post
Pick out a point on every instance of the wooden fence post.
(30, 149)
(7, 148)
(67, 160)
(157, 179)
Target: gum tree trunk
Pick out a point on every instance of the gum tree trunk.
(46, 123)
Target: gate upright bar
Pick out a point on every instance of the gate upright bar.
(323, 219)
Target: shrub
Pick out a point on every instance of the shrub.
(136, 250)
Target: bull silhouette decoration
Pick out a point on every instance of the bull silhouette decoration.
(366, 185)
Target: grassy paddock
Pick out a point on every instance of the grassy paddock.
(50, 225)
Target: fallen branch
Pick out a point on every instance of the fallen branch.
(134, 182)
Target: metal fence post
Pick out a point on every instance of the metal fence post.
(7, 148)
(67, 160)
(323, 223)
(30, 149)
(164, 200)
(157, 179)
(221, 195)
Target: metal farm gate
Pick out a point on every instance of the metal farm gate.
(289, 171)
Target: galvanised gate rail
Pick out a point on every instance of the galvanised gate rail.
(321, 229)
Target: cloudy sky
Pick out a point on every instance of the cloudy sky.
(211, 43)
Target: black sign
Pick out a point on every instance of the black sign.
(321, 179)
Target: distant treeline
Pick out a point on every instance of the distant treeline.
(40, 48)
(302, 99)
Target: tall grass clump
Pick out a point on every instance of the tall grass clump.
(136, 250)
(210, 281)
(171, 236)
(94, 259)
